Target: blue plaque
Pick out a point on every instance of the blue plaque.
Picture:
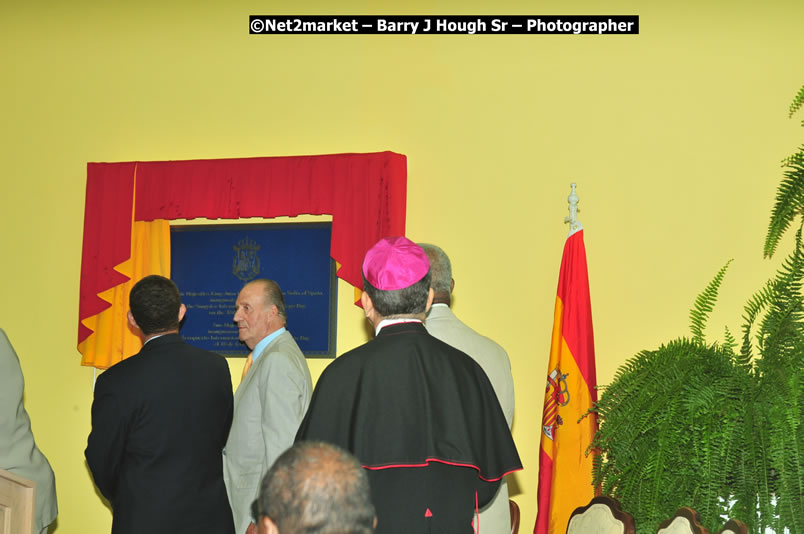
(211, 263)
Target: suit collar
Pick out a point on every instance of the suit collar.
(438, 311)
(259, 361)
(162, 340)
(264, 342)
(270, 345)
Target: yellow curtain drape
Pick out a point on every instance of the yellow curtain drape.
(112, 340)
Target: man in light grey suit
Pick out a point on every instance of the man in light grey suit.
(441, 323)
(270, 401)
(18, 451)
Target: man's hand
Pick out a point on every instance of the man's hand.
(251, 528)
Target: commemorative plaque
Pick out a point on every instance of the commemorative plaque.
(211, 263)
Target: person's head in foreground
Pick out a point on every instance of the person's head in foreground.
(315, 488)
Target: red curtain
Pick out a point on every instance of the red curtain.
(364, 193)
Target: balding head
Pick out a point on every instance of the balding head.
(315, 487)
(259, 311)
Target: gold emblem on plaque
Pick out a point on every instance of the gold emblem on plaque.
(246, 263)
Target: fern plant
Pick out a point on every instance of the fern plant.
(779, 339)
(705, 425)
(790, 194)
(671, 426)
(704, 305)
(670, 432)
(777, 399)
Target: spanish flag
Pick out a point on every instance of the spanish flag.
(565, 467)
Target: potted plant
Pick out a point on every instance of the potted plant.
(718, 426)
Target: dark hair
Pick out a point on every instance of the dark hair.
(317, 488)
(407, 301)
(154, 303)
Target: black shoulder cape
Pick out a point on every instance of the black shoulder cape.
(407, 399)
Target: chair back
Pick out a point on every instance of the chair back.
(514, 508)
(16, 504)
(685, 521)
(603, 515)
(734, 526)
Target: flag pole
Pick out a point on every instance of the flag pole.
(572, 218)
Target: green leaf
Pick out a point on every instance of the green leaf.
(704, 304)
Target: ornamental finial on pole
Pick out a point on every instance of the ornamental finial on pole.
(572, 218)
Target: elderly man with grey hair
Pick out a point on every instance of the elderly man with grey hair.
(271, 399)
(315, 487)
(442, 323)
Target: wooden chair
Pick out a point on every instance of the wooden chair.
(514, 508)
(603, 515)
(16, 504)
(685, 521)
(734, 526)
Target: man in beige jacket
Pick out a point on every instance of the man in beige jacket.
(441, 323)
(18, 451)
(270, 401)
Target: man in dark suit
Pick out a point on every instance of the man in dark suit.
(159, 423)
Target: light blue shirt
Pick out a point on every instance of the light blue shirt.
(264, 343)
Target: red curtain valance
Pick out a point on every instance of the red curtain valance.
(364, 193)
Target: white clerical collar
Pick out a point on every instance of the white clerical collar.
(389, 322)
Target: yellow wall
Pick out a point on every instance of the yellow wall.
(674, 137)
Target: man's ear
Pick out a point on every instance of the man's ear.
(368, 307)
(430, 297)
(182, 311)
(131, 320)
(451, 284)
(365, 301)
(266, 526)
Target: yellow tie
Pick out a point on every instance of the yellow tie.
(246, 367)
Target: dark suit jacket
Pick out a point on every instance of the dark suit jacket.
(160, 420)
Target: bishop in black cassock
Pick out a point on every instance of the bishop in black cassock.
(420, 415)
